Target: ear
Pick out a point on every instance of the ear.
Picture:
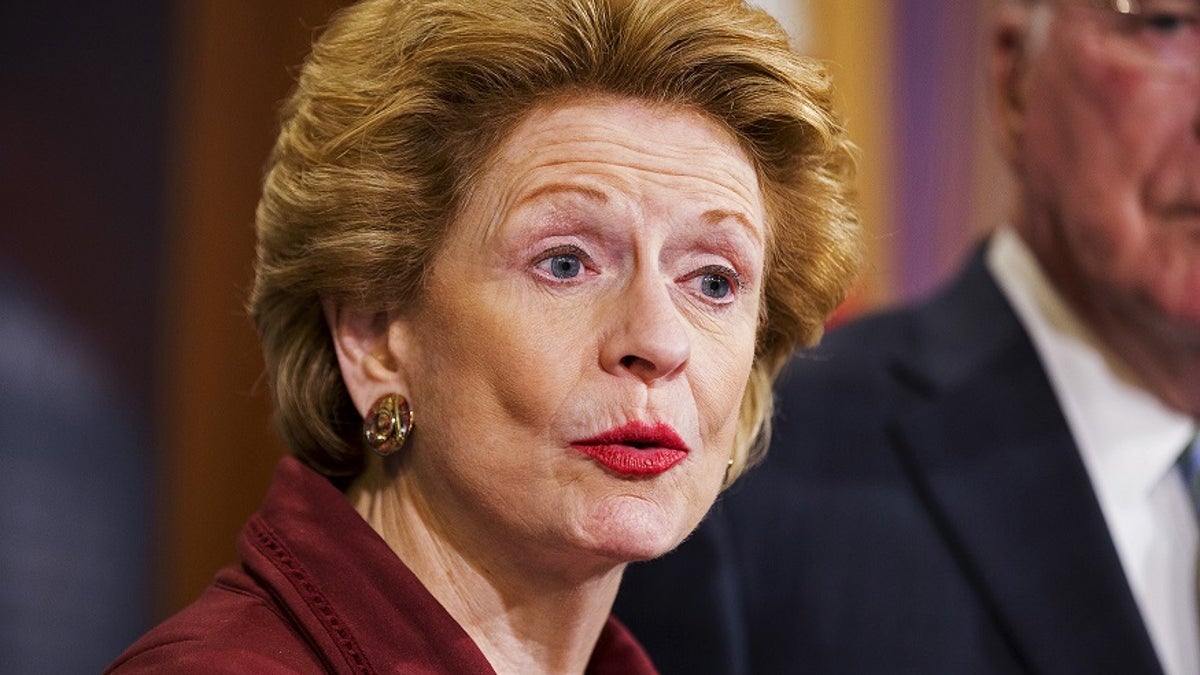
(368, 349)
(1010, 46)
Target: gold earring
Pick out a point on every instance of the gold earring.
(728, 468)
(388, 424)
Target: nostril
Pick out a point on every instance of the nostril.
(628, 360)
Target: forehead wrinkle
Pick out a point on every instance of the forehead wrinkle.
(578, 184)
(711, 217)
(746, 213)
(653, 157)
(536, 146)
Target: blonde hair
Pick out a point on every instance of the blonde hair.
(400, 104)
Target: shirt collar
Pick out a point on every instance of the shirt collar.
(1128, 438)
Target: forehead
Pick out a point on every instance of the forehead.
(615, 137)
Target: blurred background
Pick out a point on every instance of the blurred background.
(135, 436)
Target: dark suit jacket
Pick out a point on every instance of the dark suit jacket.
(923, 509)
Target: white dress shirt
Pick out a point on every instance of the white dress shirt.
(1129, 441)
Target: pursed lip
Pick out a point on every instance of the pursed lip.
(1186, 218)
(1182, 210)
(636, 449)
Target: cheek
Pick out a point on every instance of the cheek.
(497, 358)
(719, 383)
(1083, 117)
(1096, 140)
(1119, 124)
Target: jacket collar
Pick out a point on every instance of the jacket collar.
(991, 455)
(359, 605)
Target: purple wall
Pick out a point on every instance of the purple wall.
(937, 74)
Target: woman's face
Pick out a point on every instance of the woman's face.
(579, 358)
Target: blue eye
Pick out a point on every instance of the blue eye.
(715, 286)
(717, 283)
(565, 266)
(563, 262)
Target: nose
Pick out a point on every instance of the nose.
(649, 338)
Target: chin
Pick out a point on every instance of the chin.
(629, 529)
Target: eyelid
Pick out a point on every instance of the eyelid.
(562, 249)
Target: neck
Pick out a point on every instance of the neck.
(524, 613)
(1162, 354)
(1168, 364)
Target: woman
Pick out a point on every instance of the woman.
(526, 271)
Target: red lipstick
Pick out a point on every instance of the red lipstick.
(636, 448)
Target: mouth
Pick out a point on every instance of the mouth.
(1186, 219)
(1186, 211)
(636, 449)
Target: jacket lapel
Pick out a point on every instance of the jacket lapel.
(989, 451)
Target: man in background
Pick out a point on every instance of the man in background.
(992, 481)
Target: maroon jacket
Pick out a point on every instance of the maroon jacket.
(318, 591)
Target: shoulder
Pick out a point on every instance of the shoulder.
(835, 403)
(232, 628)
(853, 364)
(905, 345)
(861, 344)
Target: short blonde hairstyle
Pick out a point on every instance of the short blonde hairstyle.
(401, 103)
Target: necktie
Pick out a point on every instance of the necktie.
(1189, 467)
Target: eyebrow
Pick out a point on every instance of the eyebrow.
(714, 216)
(710, 217)
(558, 188)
